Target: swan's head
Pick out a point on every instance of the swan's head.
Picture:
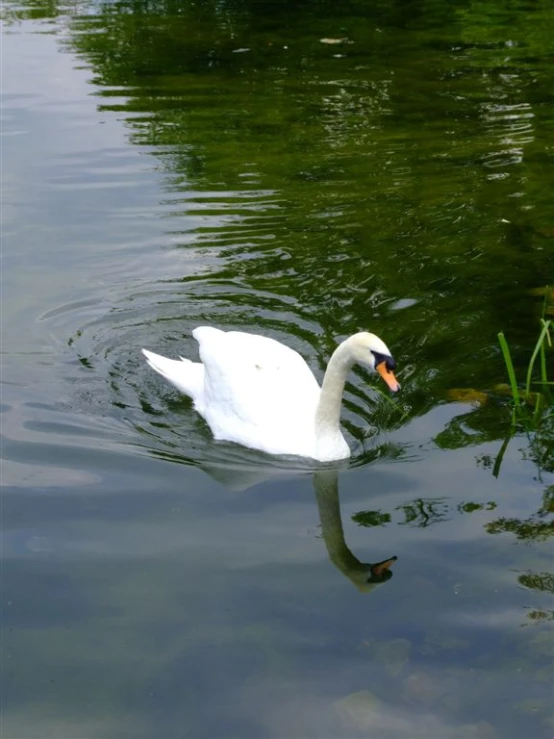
(371, 351)
(369, 576)
(380, 571)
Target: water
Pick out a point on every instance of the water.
(171, 164)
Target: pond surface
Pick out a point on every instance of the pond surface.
(304, 171)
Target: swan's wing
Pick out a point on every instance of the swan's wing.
(254, 381)
(186, 376)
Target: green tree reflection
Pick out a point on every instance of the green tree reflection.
(538, 527)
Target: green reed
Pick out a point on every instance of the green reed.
(533, 409)
(524, 396)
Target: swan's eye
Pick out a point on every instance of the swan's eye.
(390, 364)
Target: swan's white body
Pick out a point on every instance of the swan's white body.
(258, 392)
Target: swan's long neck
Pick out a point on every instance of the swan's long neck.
(327, 419)
(327, 495)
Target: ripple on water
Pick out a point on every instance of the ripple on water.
(510, 128)
(108, 377)
(217, 263)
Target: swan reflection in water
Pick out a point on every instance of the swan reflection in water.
(365, 576)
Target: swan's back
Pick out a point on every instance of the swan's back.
(257, 391)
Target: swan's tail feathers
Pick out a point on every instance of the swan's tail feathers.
(186, 376)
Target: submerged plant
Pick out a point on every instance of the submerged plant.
(533, 399)
(529, 403)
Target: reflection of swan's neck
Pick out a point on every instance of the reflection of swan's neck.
(326, 487)
(327, 419)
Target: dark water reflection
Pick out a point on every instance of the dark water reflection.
(169, 164)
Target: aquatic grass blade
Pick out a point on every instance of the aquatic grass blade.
(544, 373)
(538, 346)
(500, 455)
(510, 367)
(392, 402)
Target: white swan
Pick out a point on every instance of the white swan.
(260, 393)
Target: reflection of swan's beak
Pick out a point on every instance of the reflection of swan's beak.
(388, 376)
(380, 568)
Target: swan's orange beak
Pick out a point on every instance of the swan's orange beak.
(388, 376)
(380, 567)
